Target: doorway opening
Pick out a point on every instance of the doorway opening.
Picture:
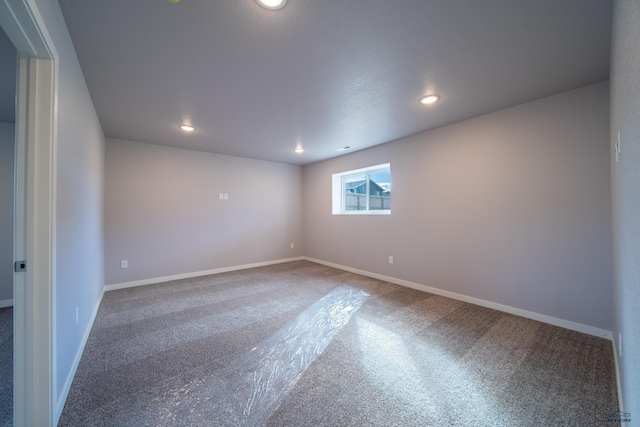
(8, 69)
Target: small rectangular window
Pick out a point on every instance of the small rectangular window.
(362, 191)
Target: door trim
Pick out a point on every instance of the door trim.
(35, 214)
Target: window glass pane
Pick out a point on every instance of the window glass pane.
(362, 191)
(355, 188)
(380, 190)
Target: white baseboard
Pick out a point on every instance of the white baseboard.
(62, 398)
(567, 324)
(579, 327)
(614, 343)
(6, 303)
(154, 280)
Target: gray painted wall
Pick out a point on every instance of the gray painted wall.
(164, 216)
(512, 207)
(8, 61)
(7, 144)
(80, 177)
(7, 147)
(625, 117)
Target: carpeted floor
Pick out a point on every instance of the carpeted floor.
(301, 344)
(6, 366)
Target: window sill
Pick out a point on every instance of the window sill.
(381, 212)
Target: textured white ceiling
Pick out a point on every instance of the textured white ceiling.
(325, 73)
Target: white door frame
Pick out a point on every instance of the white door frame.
(35, 202)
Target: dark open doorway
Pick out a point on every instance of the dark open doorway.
(8, 68)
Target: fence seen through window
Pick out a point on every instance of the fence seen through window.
(365, 190)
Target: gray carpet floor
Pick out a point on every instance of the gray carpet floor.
(6, 366)
(301, 344)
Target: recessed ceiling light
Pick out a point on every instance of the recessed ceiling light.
(429, 99)
(345, 148)
(299, 150)
(272, 4)
(187, 128)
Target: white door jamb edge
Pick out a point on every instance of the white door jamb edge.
(34, 227)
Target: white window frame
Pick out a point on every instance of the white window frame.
(338, 194)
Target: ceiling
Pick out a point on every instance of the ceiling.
(324, 74)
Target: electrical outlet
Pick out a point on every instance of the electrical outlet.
(292, 245)
(226, 196)
(221, 196)
(390, 260)
(77, 315)
(124, 264)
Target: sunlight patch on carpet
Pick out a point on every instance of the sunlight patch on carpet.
(424, 377)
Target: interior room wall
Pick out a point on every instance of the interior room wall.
(7, 148)
(511, 207)
(164, 215)
(7, 144)
(625, 118)
(80, 189)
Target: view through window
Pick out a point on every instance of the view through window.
(366, 190)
